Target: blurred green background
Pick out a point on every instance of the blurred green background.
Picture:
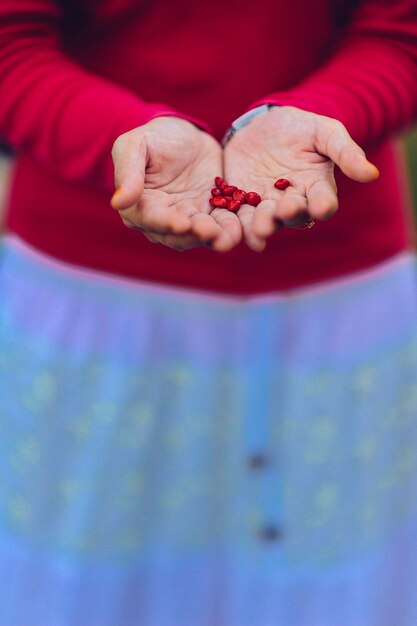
(411, 152)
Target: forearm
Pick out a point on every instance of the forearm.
(49, 106)
(369, 83)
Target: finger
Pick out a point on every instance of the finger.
(264, 220)
(129, 157)
(322, 199)
(177, 242)
(129, 224)
(204, 226)
(153, 214)
(334, 141)
(246, 216)
(210, 229)
(292, 207)
(205, 232)
(230, 230)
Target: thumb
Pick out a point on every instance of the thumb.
(129, 157)
(335, 142)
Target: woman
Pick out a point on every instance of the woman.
(225, 436)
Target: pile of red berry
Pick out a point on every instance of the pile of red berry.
(229, 197)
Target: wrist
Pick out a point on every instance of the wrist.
(245, 119)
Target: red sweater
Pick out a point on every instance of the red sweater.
(75, 74)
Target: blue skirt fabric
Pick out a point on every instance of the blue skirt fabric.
(173, 458)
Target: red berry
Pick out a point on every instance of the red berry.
(219, 202)
(282, 184)
(219, 181)
(253, 198)
(239, 195)
(228, 190)
(216, 192)
(234, 205)
(228, 198)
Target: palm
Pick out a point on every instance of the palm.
(180, 171)
(180, 163)
(292, 144)
(263, 165)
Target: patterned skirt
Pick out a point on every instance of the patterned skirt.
(175, 458)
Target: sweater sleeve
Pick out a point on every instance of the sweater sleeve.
(65, 116)
(369, 81)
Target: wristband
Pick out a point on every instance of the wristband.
(245, 119)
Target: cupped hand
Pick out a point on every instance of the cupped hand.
(303, 148)
(164, 171)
